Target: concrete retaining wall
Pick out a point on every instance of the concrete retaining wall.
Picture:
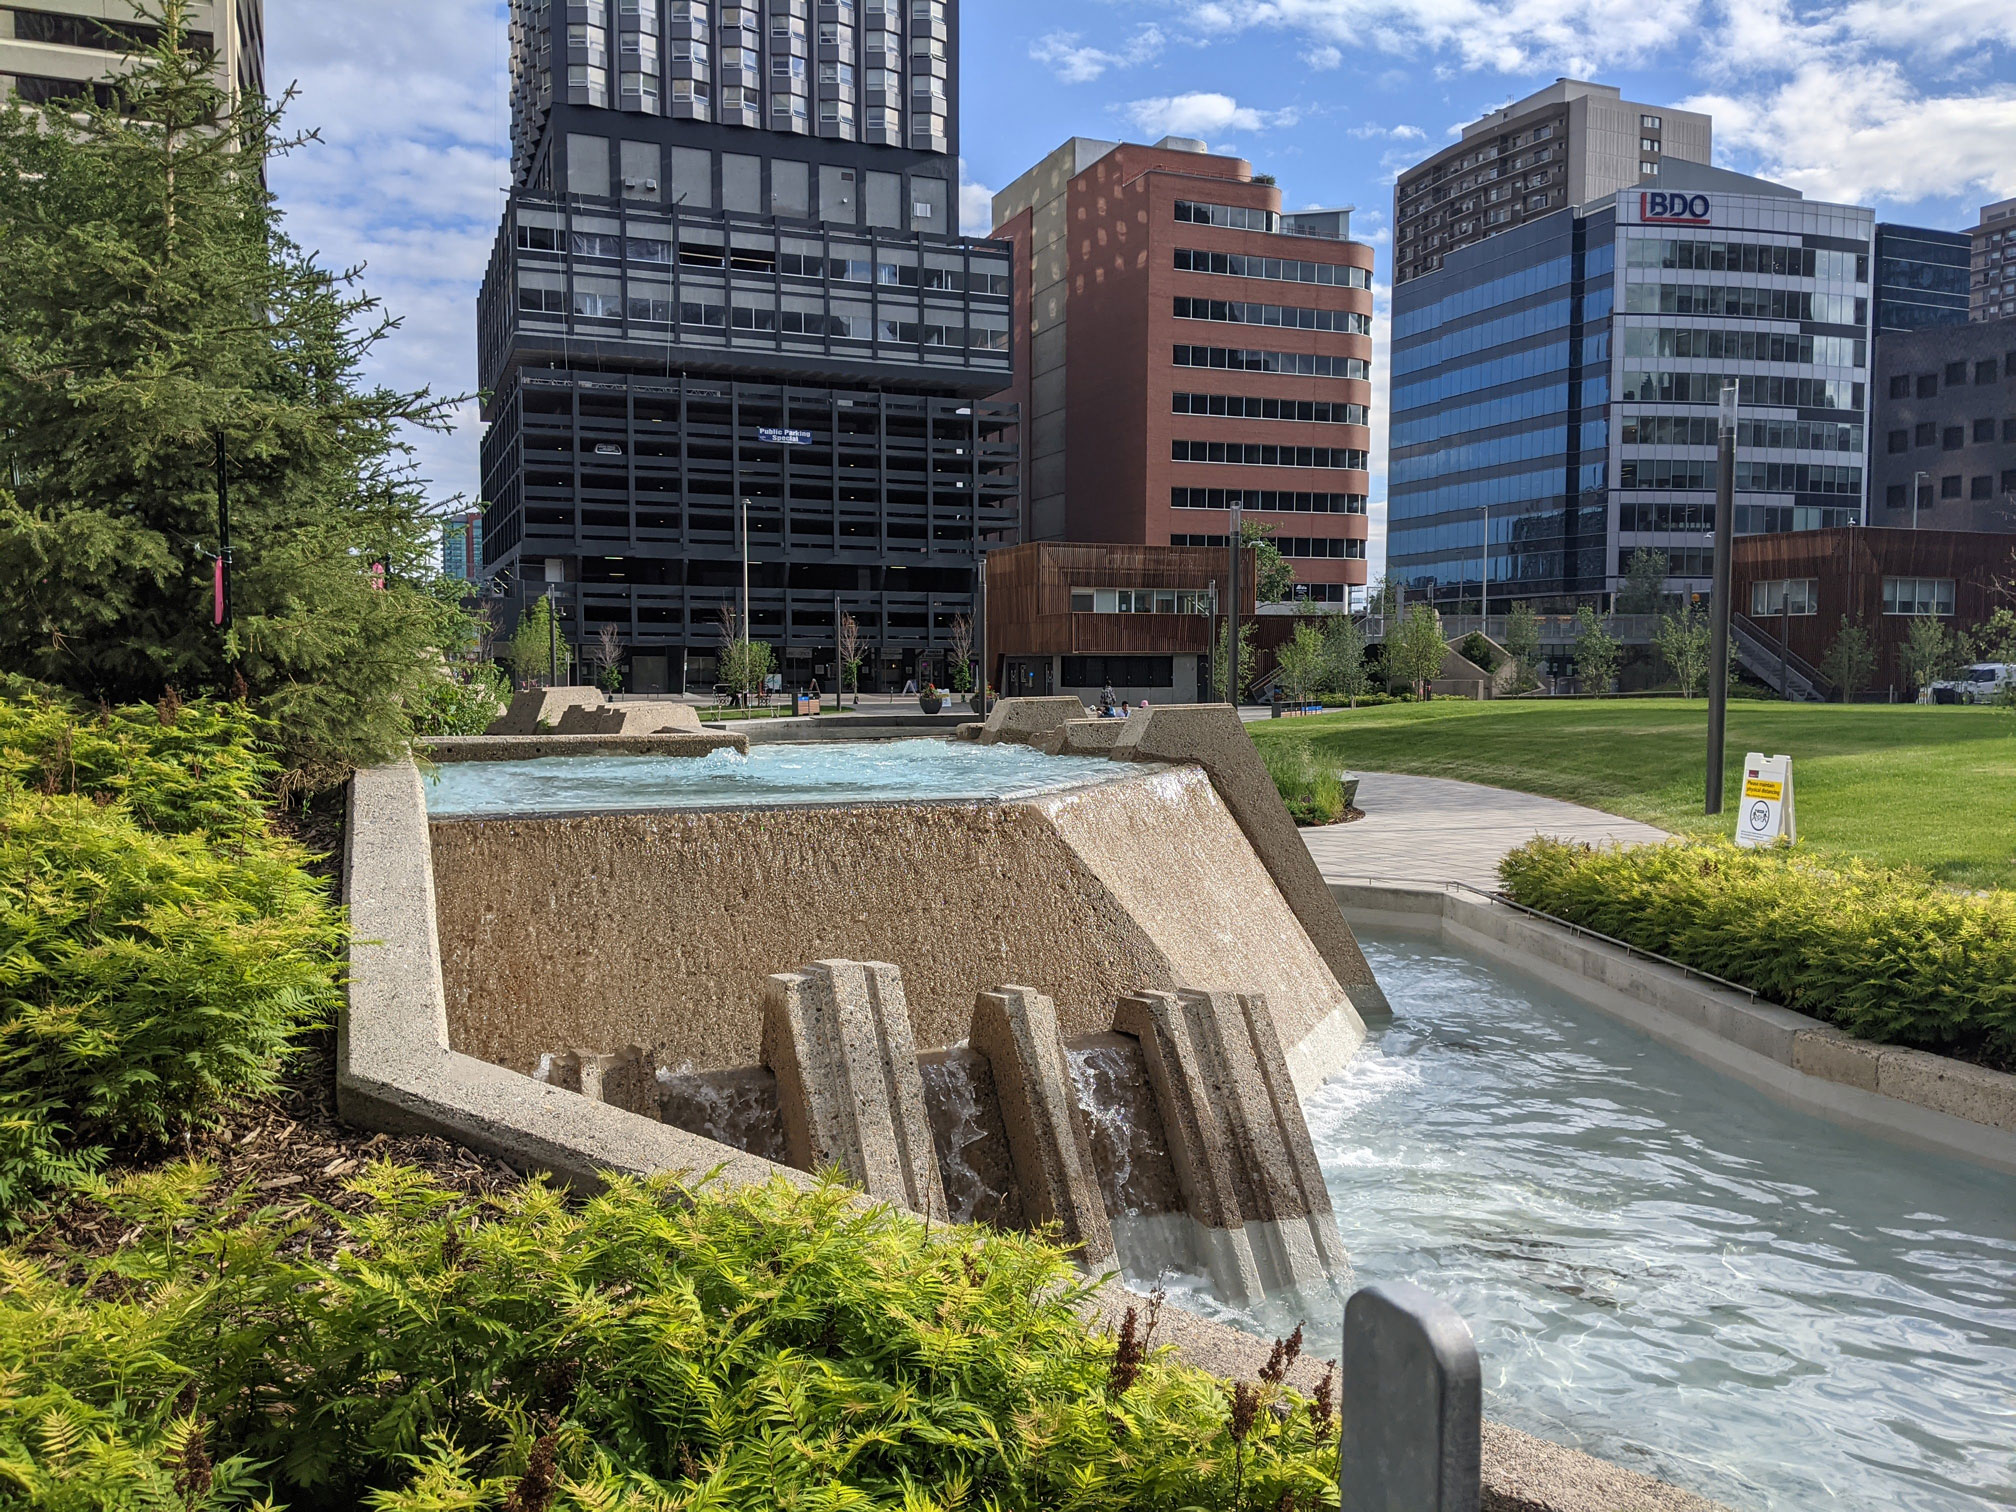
(1930, 1102)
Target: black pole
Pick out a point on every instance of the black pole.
(552, 641)
(980, 582)
(1718, 608)
(1232, 613)
(223, 535)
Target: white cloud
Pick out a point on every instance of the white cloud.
(411, 105)
(1388, 133)
(976, 205)
(1325, 57)
(1202, 114)
(1061, 53)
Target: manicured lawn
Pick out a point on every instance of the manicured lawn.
(1905, 784)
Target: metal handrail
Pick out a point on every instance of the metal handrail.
(1625, 945)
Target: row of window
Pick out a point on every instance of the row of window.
(1279, 269)
(982, 334)
(1266, 454)
(1773, 598)
(1745, 304)
(1494, 452)
(1763, 435)
(1751, 477)
(1531, 403)
(1149, 672)
(1706, 388)
(1514, 367)
(1250, 360)
(1231, 217)
(1486, 296)
(1552, 316)
(1267, 500)
(1142, 601)
(1745, 257)
(654, 251)
(1927, 384)
(1666, 516)
(1978, 489)
(1681, 561)
(1951, 437)
(1288, 546)
(1252, 407)
(105, 36)
(1745, 346)
(1289, 317)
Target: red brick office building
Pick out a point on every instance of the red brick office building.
(1187, 346)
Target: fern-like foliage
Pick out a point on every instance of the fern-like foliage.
(658, 1348)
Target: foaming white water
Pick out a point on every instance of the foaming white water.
(818, 772)
(1663, 1267)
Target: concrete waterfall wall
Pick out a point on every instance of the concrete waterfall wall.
(661, 929)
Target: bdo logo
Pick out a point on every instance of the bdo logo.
(1671, 209)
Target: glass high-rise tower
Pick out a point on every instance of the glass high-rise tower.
(729, 284)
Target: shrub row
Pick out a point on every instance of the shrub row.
(1883, 953)
(158, 947)
(652, 1348)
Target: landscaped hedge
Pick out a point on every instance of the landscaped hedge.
(1885, 954)
(652, 1348)
(158, 947)
(1312, 789)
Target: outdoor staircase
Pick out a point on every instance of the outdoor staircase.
(1767, 658)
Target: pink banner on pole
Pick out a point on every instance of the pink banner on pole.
(217, 583)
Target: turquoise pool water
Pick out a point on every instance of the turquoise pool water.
(1663, 1267)
(827, 772)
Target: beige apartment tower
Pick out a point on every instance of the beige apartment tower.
(1992, 263)
(1569, 144)
(70, 49)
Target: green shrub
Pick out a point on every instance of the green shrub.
(158, 947)
(1882, 953)
(654, 1347)
(181, 768)
(466, 702)
(1479, 652)
(1313, 791)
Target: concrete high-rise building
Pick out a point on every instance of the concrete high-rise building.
(1187, 347)
(1944, 446)
(1993, 260)
(1559, 385)
(729, 282)
(69, 49)
(1571, 143)
(1921, 278)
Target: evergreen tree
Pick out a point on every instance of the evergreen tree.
(151, 307)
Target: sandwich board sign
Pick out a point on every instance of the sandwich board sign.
(1764, 817)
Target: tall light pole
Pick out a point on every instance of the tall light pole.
(1916, 479)
(1718, 608)
(1232, 611)
(745, 603)
(1484, 582)
(980, 604)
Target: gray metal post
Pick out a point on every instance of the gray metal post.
(1232, 611)
(1413, 1405)
(980, 605)
(1484, 582)
(1914, 496)
(1719, 606)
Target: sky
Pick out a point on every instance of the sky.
(1906, 105)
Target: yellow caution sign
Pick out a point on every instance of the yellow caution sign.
(1765, 815)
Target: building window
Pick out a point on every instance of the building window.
(1927, 433)
(1894, 497)
(1232, 217)
(2009, 432)
(1949, 486)
(1983, 487)
(1984, 431)
(1918, 596)
(1900, 440)
(1648, 144)
(1984, 371)
(1651, 169)
(1900, 386)
(1956, 374)
(1649, 123)
(1953, 438)
(1140, 601)
(1928, 385)
(1770, 600)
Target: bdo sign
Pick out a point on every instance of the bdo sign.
(1764, 817)
(1656, 207)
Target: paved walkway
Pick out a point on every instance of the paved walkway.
(1429, 829)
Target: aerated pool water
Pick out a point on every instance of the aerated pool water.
(836, 772)
(1663, 1267)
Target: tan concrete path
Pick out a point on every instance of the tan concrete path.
(1430, 829)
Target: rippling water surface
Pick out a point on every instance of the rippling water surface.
(1664, 1268)
(917, 770)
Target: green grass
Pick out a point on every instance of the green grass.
(1909, 784)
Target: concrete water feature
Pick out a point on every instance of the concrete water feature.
(630, 987)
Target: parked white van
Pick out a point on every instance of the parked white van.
(1984, 682)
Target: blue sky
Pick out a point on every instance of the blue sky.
(1908, 105)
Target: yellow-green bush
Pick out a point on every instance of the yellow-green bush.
(1313, 791)
(1881, 952)
(158, 948)
(654, 1347)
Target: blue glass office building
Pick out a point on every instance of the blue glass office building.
(1922, 277)
(1561, 379)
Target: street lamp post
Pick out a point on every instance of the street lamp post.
(1232, 612)
(1718, 623)
(745, 603)
(1484, 582)
(1917, 479)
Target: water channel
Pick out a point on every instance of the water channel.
(1663, 1267)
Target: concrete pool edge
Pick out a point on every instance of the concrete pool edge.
(395, 1072)
(1928, 1102)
